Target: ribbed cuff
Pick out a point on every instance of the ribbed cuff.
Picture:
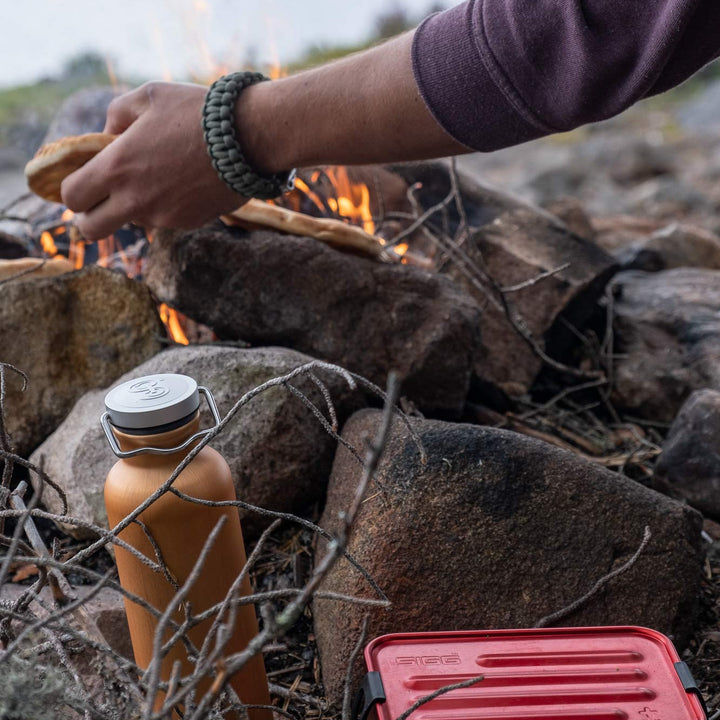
(458, 89)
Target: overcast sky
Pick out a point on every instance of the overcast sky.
(162, 38)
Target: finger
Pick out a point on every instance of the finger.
(87, 186)
(125, 109)
(105, 218)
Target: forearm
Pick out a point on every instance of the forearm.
(365, 108)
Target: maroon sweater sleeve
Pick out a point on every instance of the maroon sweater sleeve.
(499, 72)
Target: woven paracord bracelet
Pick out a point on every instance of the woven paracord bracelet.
(227, 157)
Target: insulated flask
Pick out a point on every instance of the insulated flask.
(152, 423)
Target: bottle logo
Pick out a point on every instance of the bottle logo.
(149, 389)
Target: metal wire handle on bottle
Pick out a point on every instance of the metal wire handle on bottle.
(106, 426)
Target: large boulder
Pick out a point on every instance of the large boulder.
(279, 454)
(689, 466)
(369, 317)
(498, 530)
(69, 334)
(516, 247)
(666, 339)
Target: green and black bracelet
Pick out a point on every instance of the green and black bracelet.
(227, 157)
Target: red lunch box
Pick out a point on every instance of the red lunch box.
(601, 673)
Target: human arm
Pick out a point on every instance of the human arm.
(361, 109)
(483, 75)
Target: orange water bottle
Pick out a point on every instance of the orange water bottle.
(152, 423)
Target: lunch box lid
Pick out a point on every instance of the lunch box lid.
(598, 673)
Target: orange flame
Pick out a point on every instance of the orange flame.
(76, 253)
(310, 194)
(352, 199)
(48, 244)
(171, 318)
(277, 71)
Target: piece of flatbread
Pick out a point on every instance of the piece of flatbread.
(56, 160)
(33, 268)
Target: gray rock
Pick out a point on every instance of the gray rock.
(689, 466)
(668, 197)
(571, 211)
(69, 334)
(701, 114)
(673, 246)
(279, 454)
(560, 181)
(369, 317)
(639, 160)
(666, 338)
(517, 247)
(83, 112)
(616, 233)
(498, 530)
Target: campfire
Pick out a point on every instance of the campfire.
(329, 194)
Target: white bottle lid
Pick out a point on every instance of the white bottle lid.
(152, 401)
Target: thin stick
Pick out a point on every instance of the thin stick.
(347, 691)
(535, 280)
(442, 691)
(548, 620)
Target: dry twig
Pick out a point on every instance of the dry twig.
(549, 620)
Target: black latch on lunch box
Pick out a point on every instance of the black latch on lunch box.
(689, 683)
(371, 691)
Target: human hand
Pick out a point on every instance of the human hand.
(157, 173)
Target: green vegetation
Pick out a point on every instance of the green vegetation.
(26, 111)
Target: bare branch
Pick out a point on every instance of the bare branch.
(549, 620)
(442, 691)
